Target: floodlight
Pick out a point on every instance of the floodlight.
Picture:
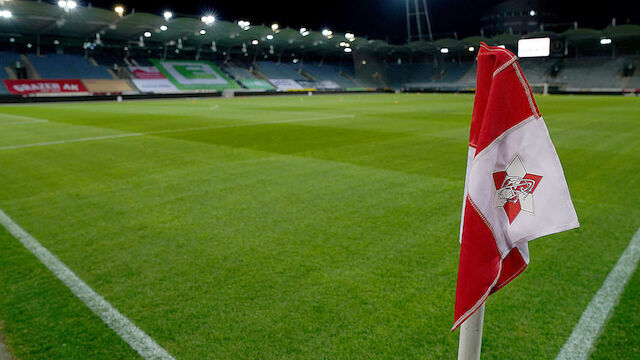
(167, 15)
(163, 27)
(119, 10)
(327, 32)
(532, 13)
(350, 36)
(67, 5)
(275, 27)
(56, 42)
(605, 41)
(343, 44)
(12, 40)
(6, 14)
(269, 37)
(254, 42)
(244, 25)
(471, 49)
(202, 32)
(444, 51)
(147, 34)
(208, 19)
(348, 50)
(29, 45)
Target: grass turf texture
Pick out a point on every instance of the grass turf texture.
(309, 237)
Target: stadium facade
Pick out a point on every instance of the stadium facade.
(53, 50)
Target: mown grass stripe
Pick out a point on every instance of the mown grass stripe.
(168, 131)
(120, 324)
(593, 319)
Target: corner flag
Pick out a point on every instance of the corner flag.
(515, 190)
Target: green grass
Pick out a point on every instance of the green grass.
(282, 233)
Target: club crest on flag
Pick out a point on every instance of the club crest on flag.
(515, 188)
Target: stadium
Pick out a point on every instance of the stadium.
(194, 185)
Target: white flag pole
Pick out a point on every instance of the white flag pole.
(471, 336)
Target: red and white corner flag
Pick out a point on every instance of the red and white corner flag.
(515, 190)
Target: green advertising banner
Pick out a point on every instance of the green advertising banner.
(194, 75)
(256, 84)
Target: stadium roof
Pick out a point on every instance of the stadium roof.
(31, 18)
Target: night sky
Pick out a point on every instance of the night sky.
(379, 19)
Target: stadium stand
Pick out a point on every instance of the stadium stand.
(140, 61)
(325, 73)
(273, 70)
(591, 73)
(578, 62)
(109, 60)
(468, 80)
(7, 59)
(450, 73)
(632, 81)
(245, 77)
(64, 66)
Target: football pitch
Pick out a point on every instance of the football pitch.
(296, 227)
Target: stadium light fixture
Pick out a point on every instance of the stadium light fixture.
(6, 14)
(350, 36)
(167, 15)
(605, 41)
(532, 13)
(244, 25)
(254, 42)
(327, 33)
(119, 10)
(343, 44)
(275, 27)
(163, 28)
(208, 19)
(67, 5)
(348, 50)
(56, 42)
(269, 37)
(471, 49)
(304, 31)
(147, 34)
(444, 51)
(203, 31)
(12, 40)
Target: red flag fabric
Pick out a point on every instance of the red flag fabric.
(515, 189)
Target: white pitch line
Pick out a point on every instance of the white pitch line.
(120, 324)
(595, 316)
(168, 131)
(57, 142)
